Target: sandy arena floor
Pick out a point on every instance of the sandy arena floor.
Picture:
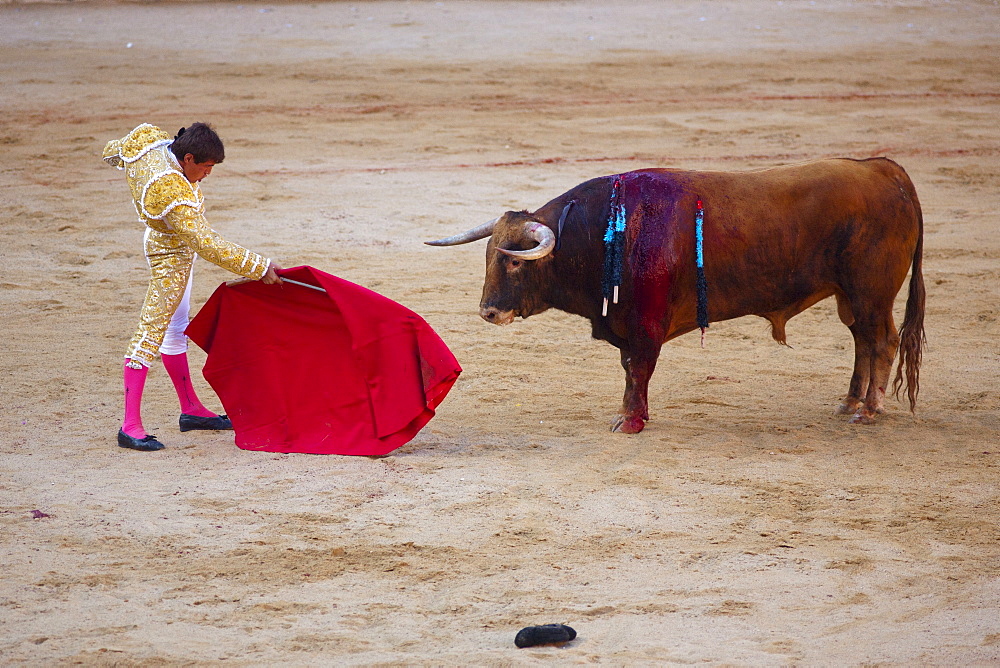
(747, 525)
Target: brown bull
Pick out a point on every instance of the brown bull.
(775, 242)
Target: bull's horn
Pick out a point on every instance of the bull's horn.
(475, 234)
(543, 235)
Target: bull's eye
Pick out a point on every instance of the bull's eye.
(514, 263)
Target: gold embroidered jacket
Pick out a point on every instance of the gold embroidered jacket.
(172, 208)
(171, 205)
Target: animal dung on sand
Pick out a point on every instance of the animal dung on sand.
(546, 634)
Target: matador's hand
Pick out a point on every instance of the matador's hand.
(271, 277)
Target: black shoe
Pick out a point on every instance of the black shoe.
(147, 443)
(215, 422)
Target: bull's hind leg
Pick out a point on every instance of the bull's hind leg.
(859, 379)
(862, 364)
(882, 340)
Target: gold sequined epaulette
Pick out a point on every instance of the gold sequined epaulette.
(140, 139)
(134, 145)
(167, 192)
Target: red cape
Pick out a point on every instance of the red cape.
(345, 372)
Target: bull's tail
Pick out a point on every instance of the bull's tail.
(911, 332)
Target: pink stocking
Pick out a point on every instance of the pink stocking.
(180, 374)
(135, 380)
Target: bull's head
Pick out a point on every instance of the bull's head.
(517, 256)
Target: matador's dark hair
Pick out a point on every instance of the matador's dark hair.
(201, 141)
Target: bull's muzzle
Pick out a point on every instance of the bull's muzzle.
(496, 316)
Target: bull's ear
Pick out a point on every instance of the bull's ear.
(475, 234)
(545, 237)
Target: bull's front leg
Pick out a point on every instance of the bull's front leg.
(639, 363)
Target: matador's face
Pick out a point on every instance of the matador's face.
(195, 171)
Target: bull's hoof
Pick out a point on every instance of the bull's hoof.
(625, 424)
(863, 417)
(849, 407)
